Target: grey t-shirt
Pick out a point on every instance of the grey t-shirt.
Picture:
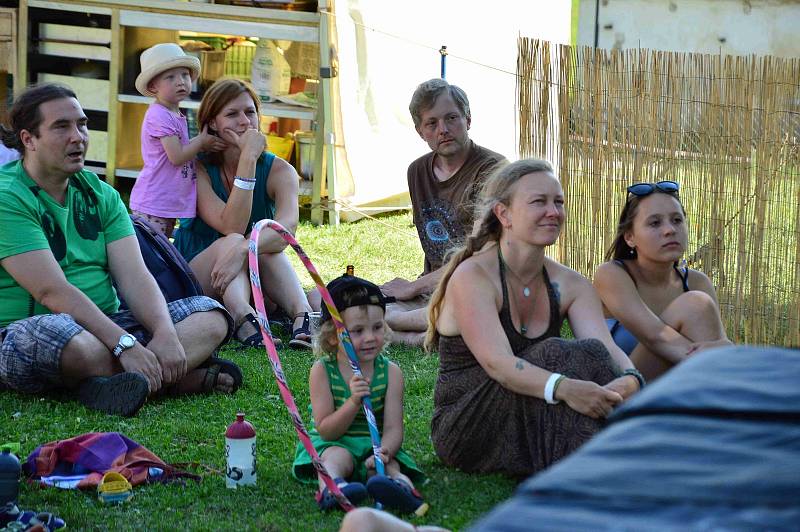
(444, 210)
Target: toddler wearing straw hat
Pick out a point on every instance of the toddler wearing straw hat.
(166, 186)
(341, 432)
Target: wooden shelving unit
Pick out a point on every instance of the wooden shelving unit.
(133, 26)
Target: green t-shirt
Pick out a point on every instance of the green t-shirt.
(93, 215)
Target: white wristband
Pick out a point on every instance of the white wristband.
(548, 389)
(244, 183)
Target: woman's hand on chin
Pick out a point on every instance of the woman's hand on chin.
(252, 142)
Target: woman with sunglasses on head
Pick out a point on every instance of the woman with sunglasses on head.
(512, 396)
(660, 312)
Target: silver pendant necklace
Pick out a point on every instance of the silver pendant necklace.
(526, 291)
(523, 327)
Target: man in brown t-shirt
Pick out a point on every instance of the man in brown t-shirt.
(444, 185)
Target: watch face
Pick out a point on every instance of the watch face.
(127, 341)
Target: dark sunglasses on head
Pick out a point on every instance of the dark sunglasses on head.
(643, 189)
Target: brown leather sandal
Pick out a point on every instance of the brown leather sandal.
(214, 366)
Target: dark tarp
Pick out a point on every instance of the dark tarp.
(712, 445)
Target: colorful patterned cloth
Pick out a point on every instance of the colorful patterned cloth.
(86, 458)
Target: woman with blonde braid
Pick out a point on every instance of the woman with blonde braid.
(511, 396)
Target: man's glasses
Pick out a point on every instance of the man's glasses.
(644, 189)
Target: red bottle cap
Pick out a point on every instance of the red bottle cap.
(240, 429)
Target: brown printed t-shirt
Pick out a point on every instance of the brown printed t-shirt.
(444, 210)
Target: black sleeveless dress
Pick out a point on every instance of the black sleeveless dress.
(479, 426)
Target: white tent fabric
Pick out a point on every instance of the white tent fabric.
(386, 49)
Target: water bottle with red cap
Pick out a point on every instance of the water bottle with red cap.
(240, 453)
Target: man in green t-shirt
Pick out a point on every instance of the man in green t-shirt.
(65, 236)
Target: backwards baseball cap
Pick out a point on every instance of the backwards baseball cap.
(351, 291)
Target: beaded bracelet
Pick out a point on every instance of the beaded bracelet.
(636, 374)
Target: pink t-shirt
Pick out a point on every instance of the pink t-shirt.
(163, 189)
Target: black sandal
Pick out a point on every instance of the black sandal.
(255, 339)
(280, 319)
(305, 328)
(215, 366)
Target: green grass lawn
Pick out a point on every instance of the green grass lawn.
(191, 429)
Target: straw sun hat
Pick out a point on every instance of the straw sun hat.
(161, 57)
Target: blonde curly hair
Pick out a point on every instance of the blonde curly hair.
(325, 340)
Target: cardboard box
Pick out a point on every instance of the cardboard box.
(8, 40)
(80, 51)
(76, 34)
(92, 93)
(98, 146)
(212, 66)
(303, 58)
(8, 24)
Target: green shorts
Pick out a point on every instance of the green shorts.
(360, 448)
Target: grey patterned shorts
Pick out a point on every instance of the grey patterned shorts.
(30, 354)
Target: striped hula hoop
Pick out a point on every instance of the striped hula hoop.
(344, 338)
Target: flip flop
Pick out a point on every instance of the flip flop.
(121, 394)
(114, 489)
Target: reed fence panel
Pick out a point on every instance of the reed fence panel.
(727, 128)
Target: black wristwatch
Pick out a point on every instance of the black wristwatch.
(126, 341)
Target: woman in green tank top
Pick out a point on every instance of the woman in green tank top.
(236, 188)
(340, 433)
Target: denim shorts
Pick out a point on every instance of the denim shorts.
(30, 354)
(622, 336)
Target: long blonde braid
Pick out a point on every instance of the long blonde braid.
(499, 188)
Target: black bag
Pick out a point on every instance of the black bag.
(170, 270)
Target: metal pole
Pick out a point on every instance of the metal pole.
(443, 52)
(596, 22)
